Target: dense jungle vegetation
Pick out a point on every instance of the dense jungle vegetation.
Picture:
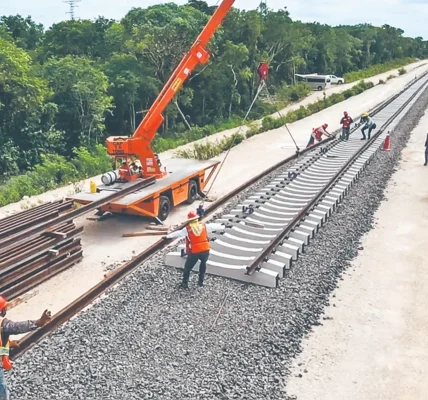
(63, 90)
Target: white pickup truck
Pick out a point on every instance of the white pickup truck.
(335, 80)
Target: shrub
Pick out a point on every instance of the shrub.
(377, 69)
(90, 164)
(302, 112)
(55, 171)
(348, 93)
(253, 130)
(401, 71)
(390, 77)
(293, 93)
(381, 82)
(207, 150)
(268, 123)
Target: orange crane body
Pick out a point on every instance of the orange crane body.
(185, 178)
(139, 143)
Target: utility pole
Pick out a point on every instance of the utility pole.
(72, 5)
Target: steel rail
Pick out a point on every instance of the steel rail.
(258, 261)
(76, 213)
(117, 275)
(55, 267)
(26, 269)
(28, 213)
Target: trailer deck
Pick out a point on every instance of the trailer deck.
(145, 202)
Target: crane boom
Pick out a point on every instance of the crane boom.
(139, 143)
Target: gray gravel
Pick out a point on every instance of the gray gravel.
(149, 340)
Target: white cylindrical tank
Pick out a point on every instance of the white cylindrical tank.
(110, 177)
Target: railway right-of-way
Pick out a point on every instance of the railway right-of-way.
(271, 228)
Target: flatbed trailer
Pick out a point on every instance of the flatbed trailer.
(184, 181)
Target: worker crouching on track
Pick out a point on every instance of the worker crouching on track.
(317, 135)
(7, 328)
(197, 245)
(346, 122)
(368, 124)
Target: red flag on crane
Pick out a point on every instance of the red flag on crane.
(263, 70)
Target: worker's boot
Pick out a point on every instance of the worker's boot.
(184, 285)
(201, 282)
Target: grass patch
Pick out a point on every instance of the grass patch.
(269, 123)
(207, 150)
(55, 171)
(377, 69)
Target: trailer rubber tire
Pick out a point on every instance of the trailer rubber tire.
(192, 193)
(164, 208)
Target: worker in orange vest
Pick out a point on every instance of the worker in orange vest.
(317, 134)
(197, 245)
(7, 328)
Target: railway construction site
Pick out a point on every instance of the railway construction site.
(143, 337)
(312, 278)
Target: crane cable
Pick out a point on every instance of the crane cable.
(234, 136)
(283, 118)
(262, 86)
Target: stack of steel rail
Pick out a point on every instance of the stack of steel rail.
(30, 260)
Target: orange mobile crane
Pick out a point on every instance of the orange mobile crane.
(182, 179)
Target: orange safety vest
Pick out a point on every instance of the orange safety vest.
(197, 243)
(4, 350)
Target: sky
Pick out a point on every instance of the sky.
(409, 15)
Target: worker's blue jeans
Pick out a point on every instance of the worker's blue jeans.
(3, 390)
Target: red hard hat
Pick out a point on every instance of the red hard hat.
(325, 126)
(345, 112)
(3, 303)
(192, 215)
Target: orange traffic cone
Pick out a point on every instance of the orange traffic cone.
(387, 143)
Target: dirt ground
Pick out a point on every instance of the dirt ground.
(376, 345)
(103, 245)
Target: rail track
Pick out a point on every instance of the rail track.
(269, 230)
(309, 191)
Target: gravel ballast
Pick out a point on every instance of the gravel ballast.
(149, 340)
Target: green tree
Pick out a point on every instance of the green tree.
(80, 91)
(78, 38)
(23, 110)
(133, 88)
(24, 31)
